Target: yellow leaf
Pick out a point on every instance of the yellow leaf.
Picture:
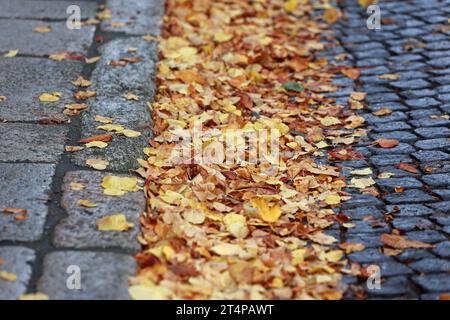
(114, 222)
(194, 216)
(236, 225)
(361, 172)
(43, 29)
(333, 199)
(92, 60)
(103, 119)
(7, 276)
(86, 203)
(362, 183)
(111, 127)
(385, 175)
(334, 255)
(331, 15)
(117, 186)
(390, 76)
(290, 5)
(365, 3)
(34, 296)
(227, 249)
(97, 164)
(77, 186)
(50, 97)
(82, 82)
(131, 96)
(330, 121)
(268, 214)
(11, 53)
(130, 133)
(222, 37)
(96, 144)
(140, 292)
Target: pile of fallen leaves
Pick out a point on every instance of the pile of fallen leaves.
(243, 230)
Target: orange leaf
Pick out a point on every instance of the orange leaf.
(15, 210)
(100, 137)
(386, 143)
(399, 242)
(352, 73)
(406, 167)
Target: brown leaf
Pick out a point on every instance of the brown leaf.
(406, 167)
(352, 73)
(99, 137)
(15, 210)
(386, 143)
(399, 242)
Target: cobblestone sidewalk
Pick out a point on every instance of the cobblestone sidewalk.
(413, 43)
(36, 171)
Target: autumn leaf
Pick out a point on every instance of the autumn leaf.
(50, 97)
(96, 144)
(99, 137)
(352, 73)
(386, 143)
(130, 133)
(389, 76)
(227, 249)
(11, 53)
(118, 186)
(290, 5)
(236, 225)
(382, 112)
(84, 95)
(115, 222)
(399, 242)
(34, 296)
(358, 96)
(365, 3)
(43, 29)
(15, 210)
(351, 247)
(97, 164)
(81, 82)
(86, 203)
(331, 15)
(267, 214)
(406, 167)
(7, 276)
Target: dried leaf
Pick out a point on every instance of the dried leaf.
(118, 186)
(114, 222)
(99, 137)
(386, 143)
(399, 242)
(97, 164)
(267, 214)
(50, 97)
(86, 203)
(11, 53)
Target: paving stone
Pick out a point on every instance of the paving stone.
(361, 200)
(368, 227)
(410, 255)
(408, 196)
(104, 275)
(436, 167)
(444, 194)
(392, 126)
(433, 283)
(394, 106)
(17, 260)
(368, 240)
(402, 136)
(411, 84)
(424, 113)
(31, 142)
(440, 45)
(389, 159)
(391, 183)
(430, 144)
(428, 156)
(55, 10)
(443, 80)
(382, 97)
(22, 92)
(393, 268)
(411, 223)
(110, 84)
(79, 230)
(368, 256)
(443, 206)
(433, 132)
(429, 236)
(27, 186)
(431, 265)
(437, 180)
(420, 93)
(426, 102)
(430, 122)
(362, 212)
(394, 116)
(19, 34)
(443, 249)
(139, 17)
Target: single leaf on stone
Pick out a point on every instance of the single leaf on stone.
(365, 3)
(386, 143)
(130, 133)
(43, 29)
(84, 95)
(362, 183)
(34, 296)
(131, 96)
(267, 213)
(11, 53)
(82, 82)
(361, 172)
(114, 222)
(331, 15)
(352, 73)
(349, 247)
(389, 76)
(406, 167)
(76, 186)
(50, 97)
(358, 96)
(73, 148)
(96, 144)
(293, 86)
(112, 127)
(76, 106)
(86, 203)
(7, 276)
(399, 242)
(15, 210)
(98, 164)
(117, 186)
(2, 98)
(382, 112)
(385, 175)
(103, 119)
(99, 137)
(92, 60)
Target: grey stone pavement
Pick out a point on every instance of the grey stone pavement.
(413, 43)
(37, 174)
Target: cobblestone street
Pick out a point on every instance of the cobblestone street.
(404, 69)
